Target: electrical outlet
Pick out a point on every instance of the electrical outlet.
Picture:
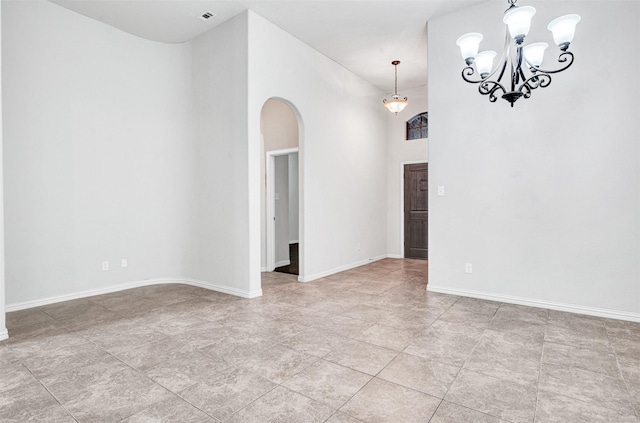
(358, 247)
(440, 190)
(124, 263)
(105, 266)
(468, 268)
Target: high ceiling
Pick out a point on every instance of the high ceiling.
(364, 36)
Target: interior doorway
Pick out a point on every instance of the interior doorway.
(416, 211)
(282, 194)
(283, 211)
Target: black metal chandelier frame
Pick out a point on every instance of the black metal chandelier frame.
(520, 84)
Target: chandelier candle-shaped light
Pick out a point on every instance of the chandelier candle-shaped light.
(524, 61)
(396, 104)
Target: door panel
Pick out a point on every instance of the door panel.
(416, 214)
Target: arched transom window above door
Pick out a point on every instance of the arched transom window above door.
(418, 126)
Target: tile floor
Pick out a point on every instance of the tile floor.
(366, 345)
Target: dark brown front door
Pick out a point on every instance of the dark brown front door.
(416, 190)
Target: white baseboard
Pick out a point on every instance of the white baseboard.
(264, 269)
(319, 275)
(283, 263)
(394, 256)
(4, 334)
(222, 288)
(129, 285)
(571, 308)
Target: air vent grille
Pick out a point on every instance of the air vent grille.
(206, 16)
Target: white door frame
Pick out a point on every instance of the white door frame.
(271, 204)
(402, 201)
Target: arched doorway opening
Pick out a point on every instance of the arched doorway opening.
(282, 240)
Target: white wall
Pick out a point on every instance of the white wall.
(3, 327)
(342, 150)
(294, 219)
(281, 185)
(222, 227)
(98, 153)
(542, 198)
(400, 151)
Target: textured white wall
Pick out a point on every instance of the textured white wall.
(98, 153)
(294, 219)
(3, 328)
(342, 150)
(542, 198)
(399, 151)
(222, 230)
(281, 173)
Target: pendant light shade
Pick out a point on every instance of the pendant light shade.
(564, 29)
(469, 44)
(395, 104)
(518, 19)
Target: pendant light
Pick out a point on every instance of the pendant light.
(396, 104)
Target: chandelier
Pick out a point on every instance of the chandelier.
(396, 104)
(525, 74)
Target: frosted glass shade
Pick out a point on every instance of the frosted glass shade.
(534, 53)
(396, 104)
(484, 62)
(469, 44)
(518, 19)
(564, 29)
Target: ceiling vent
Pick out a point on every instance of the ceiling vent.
(206, 16)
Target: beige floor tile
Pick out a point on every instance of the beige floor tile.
(343, 325)
(316, 342)
(386, 336)
(508, 400)
(227, 392)
(47, 342)
(173, 410)
(26, 402)
(127, 391)
(554, 408)
(586, 386)
(153, 353)
(449, 412)
(581, 358)
(14, 374)
(339, 417)
(626, 348)
(283, 406)
(623, 329)
(507, 356)
(586, 335)
(328, 383)
(186, 370)
(449, 343)
(361, 356)
(382, 401)
(66, 358)
(428, 376)
(117, 341)
(276, 363)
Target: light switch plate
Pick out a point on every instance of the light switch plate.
(440, 190)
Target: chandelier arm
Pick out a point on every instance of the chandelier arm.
(566, 56)
(470, 71)
(489, 88)
(540, 80)
(506, 50)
